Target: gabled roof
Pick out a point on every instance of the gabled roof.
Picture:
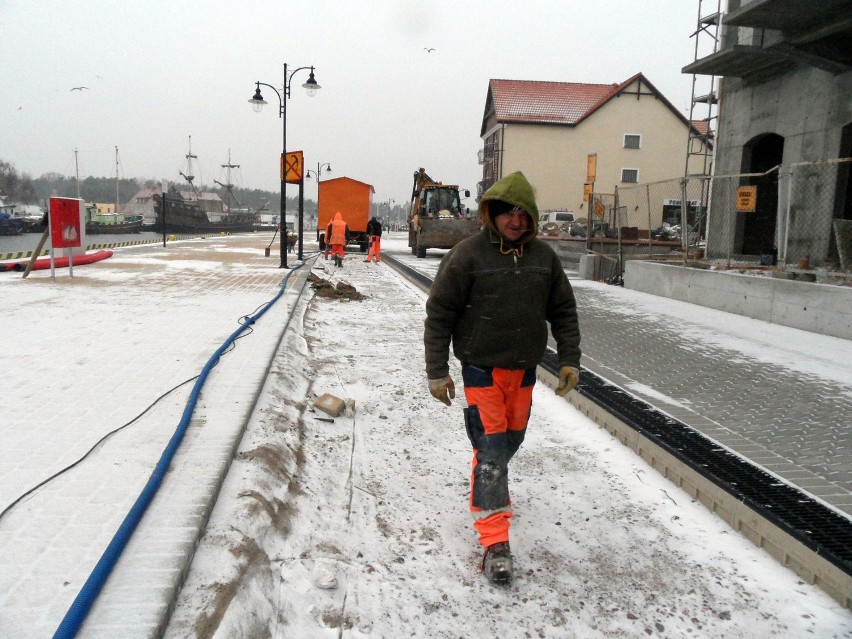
(559, 103)
(348, 179)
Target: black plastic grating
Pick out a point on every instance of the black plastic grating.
(821, 529)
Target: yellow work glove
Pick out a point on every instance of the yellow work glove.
(568, 378)
(443, 389)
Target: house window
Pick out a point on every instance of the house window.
(630, 175)
(632, 141)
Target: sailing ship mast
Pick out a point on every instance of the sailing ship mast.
(77, 172)
(188, 176)
(229, 188)
(116, 180)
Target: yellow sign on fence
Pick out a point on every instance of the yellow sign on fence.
(746, 198)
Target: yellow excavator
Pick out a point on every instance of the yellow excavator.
(437, 218)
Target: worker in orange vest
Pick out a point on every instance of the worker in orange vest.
(337, 236)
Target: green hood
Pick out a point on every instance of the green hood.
(517, 191)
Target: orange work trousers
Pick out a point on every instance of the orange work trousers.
(375, 249)
(337, 249)
(499, 402)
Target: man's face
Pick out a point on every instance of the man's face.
(513, 224)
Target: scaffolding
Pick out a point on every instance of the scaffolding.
(703, 116)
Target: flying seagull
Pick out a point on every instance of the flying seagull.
(78, 88)
(428, 49)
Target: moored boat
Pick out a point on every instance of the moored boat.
(111, 223)
(194, 212)
(178, 215)
(103, 222)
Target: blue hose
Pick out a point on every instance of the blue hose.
(81, 605)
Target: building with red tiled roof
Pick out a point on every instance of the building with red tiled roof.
(549, 129)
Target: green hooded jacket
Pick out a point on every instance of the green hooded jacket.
(513, 189)
(492, 299)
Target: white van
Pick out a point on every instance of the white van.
(560, 217)
(554, 222)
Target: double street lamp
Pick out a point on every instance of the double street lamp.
(316, 174)
(257, 103)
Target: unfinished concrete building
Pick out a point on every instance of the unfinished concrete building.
(784, 129)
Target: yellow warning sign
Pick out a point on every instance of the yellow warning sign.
(591, 167)
(746, 198)
(292, 167)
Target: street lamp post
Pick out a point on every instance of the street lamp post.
(257, 103)
(389, 212)
(316, 175)
(320, 167)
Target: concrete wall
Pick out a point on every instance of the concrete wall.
(819, 308)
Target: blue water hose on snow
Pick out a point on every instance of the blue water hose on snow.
(81, 605)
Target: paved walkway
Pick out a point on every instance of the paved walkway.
(91, 354)
(766, 391)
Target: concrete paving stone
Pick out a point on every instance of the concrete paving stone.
(800, 420)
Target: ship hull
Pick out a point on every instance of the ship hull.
(184, 217)
(98, 228)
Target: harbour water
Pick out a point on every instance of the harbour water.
(29, 241)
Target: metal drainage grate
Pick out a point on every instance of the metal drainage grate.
(821, 529)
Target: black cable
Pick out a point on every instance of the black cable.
(109, 434)
(98, 443)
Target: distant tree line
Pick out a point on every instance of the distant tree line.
(15, 187)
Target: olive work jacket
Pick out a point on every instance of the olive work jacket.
(494, 307)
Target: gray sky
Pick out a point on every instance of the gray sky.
(161, 71)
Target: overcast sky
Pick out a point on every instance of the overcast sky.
(159, 72)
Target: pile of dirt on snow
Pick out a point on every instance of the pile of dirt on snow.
(342, 290)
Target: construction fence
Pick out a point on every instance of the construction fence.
(795, 215)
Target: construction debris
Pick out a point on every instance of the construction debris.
(342, 290)
(330, 405)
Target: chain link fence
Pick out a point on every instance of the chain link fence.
(789, 216)
(816, 202)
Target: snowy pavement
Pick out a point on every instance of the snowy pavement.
(356, 528)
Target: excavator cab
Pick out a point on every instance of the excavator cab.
(443, 202)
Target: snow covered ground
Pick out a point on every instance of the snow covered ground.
(357, 527)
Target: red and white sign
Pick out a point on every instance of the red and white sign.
(66, 222)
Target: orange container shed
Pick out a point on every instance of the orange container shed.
(353, 200)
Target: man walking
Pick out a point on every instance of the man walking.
(492, 298)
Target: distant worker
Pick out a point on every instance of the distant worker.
(374, 231)
(337, 237)
(492, 299)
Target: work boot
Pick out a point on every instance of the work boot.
(497, 563)
(339, 260)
